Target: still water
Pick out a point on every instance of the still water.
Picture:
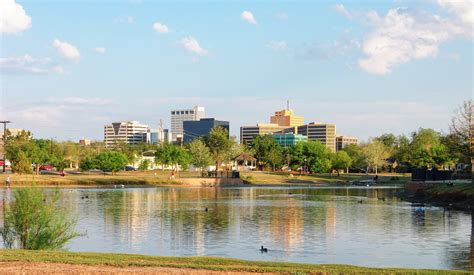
(307, 225)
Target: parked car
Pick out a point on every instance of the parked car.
(46, 167)
(130, 168)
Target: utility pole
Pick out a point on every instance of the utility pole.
(5, 122)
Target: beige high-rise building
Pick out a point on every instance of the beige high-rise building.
(323, 132)
(343, 141)
(130, 132)
(286, 118)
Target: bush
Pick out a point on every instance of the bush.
(34, 222)
(22, 165)
(144, 165)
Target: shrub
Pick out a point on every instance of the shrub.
(35, 222)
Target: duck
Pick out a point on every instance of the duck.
(207, 209)
(263, 249)
(360, 201)
(381, 199)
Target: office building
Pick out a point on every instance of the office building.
(323, 132)
(248, 133)
(178, 116)
(286, 118)
(343, 141)
(130, 132)
(158, 136)
(288, 139)
(201, 128)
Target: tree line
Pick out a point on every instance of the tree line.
(422, 148)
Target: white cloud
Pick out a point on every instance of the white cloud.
(463, 12)
(13, 17)
(100, 50)
(402, 36)
(80, 101)
(124, 19)
(248, 16)
(29, 65)
(342, 10)
(66, 50)
(192, 45)
(277, 46)
(161, 28)
(281, 16)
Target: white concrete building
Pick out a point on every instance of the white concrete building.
(130, 132)
(178, 116)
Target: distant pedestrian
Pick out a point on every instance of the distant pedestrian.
(376, 178)
(7, 181)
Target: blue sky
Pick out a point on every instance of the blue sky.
(68, 68)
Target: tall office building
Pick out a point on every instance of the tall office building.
(288, 139)
(178, 116)
(248, 133)
(325, 133)
(287, 118)
(343, 141)
(130, 132)
(201, 128)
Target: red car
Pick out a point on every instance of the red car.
(46, 167)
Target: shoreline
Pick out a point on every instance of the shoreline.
(78, 262)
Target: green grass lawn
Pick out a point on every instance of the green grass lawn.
(206, 263)
(285, 178)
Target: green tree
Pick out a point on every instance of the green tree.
(200, 154)
(21, 165)
(312, 153)
(376, 154)
(163, 155)
(144, 165)
(461, 140)
(111, 161)
(33, 221)
(219, 144)
(356, 155)
(88, 163)
(267, 151)
(341, 160)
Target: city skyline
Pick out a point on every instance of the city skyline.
(138, 60)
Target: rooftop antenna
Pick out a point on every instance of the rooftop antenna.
(287, 104)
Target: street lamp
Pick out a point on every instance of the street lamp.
(5, 122)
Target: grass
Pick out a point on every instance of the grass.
(284, 178)
(162, 179)
(465, 189)
(206, 263)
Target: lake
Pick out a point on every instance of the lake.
(305, 225)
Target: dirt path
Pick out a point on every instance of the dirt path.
(53, 268)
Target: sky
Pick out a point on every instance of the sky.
(371, 67)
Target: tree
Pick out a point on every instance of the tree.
(267, 151)
(200, 154)
(356, 155)
(144, 165)
(462, 132)
(22, 165)
(110, 161)
(312, 153)
(219, 143)
(376, 154)
(35, 222)
(341, 160)
(88, 163)
(426, 150)
(163, 155)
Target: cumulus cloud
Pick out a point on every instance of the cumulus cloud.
(342, 10)
(161, 28)
(66, 50)
(27, 64)
(404, 35)
(248, 16)
(13, 19)
(100, 50)
(277, 46)
(192, 45)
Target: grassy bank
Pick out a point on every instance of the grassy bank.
(459, 196)
(271, 178)
(206, 263)
(161, 178)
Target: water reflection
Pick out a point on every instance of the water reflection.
(339, 225)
